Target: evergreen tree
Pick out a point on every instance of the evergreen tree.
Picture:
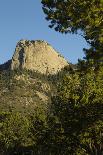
(78, 113)
(72, 16)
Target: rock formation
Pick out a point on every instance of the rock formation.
(25, 90)
(38, 56)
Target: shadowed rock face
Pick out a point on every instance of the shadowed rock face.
(5, 66)
(38, 56)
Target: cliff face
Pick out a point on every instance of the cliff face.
(38, 56)
(29, 79)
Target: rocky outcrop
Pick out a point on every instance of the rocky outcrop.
(38, 56)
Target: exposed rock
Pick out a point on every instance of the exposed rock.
(42, 96)
(38, 56)
(26, 90)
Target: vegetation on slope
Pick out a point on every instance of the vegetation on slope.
(72, 123)
(24, 90)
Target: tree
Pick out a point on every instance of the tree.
(71, 16)
(77, 109)
(14, 133)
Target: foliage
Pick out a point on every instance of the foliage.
(71, 124)
(22, 134)
(14, 132)
(77, 16)
(78, 109)
(19, 90)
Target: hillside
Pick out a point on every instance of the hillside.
(29, 79)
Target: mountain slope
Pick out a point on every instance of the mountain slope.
(30, 78)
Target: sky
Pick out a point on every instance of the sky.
(24, 19)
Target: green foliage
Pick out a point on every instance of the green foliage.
(19, 90)
(72, 16)
(22, 134)
(14, 132)
(71, 123)
(78, 109)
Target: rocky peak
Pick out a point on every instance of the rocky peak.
(38, 56)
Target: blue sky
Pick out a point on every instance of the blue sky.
(24, 19)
